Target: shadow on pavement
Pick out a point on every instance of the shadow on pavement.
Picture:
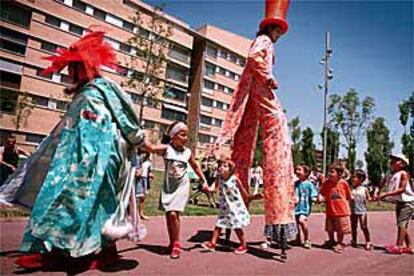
(201, 236)
(74, 267)
(228, 246)
(157, 249)
(11, 253)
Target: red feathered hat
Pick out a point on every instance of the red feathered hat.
(276, 11)
(91, 50)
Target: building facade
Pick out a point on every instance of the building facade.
(201, 73)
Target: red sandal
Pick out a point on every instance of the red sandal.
(176, 250)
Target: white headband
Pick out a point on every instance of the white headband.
(177, 128)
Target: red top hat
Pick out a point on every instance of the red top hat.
(276, 11)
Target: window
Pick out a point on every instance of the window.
(65, 79)
(151, 102)
(222, 54)
(53, 21)
(50, 47)
(206, 139)
(179, 53)
(127, 25)
(10, 80)
(62, 105)
(175, 94)
(115, 44)
(41, 101)
(242, 62)
(220, 87)
(211, 52)
(114, 20)
(208, 84)
(205, 120)
(125, 48)
(75, 29)
(230, 90)
(8, 100)
(136, 99)
(34, 138)
(4, 134)
(123, 71)
(40, 74)
(233, 58)
(13, 41)
(16, 14)
(177, 73)
(222, 71)
(79, 5)
(220, 105)
(144, 33)
(218, 122)
(99, 13)
(149, 124)
(173, 115)
(206, 102)
(210, 69)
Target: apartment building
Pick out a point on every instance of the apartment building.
(31, 104)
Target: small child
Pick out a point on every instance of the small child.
(144, 176)
(400, 192)
(176, 187)
(361, 196)
(256, 177)
(233, 213)
(337, 195)
(305, 193)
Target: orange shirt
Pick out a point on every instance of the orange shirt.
(337, 196)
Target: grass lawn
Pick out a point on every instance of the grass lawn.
(202, 209)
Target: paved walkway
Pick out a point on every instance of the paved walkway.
(146, 258)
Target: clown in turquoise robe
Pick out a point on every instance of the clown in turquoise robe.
(80, 176)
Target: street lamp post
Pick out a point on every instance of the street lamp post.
(327, 76)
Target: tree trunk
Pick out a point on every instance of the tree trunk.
(141, 111)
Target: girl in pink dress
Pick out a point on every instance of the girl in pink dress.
(254, 102)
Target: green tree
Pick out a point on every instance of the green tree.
(259, 144)
(148, 59)
(23, 109)
(308, 151)
(351, 117)
(295, 132)
(407, 120)
(379, 147)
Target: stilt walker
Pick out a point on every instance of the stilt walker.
(79, 182)
(254, 103)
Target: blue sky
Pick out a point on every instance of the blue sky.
(372, 42)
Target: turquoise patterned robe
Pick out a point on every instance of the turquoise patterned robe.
(79, 176)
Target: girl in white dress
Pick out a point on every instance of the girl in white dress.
(176, 188)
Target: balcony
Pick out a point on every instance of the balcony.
(177, 74)
(179, 54)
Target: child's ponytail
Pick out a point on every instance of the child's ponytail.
(166, 139)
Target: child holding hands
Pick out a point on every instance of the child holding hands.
(176, 188)
(337, 194)
(305, 193)
(233, 213)
(361, 196)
